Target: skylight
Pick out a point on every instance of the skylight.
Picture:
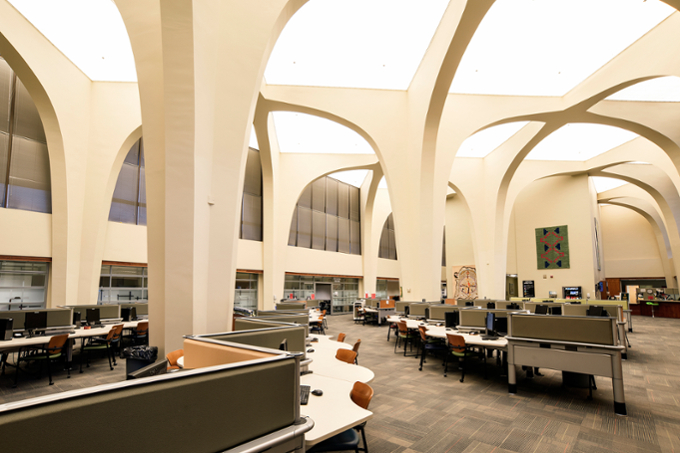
(355, 43)
(352, 177)
(302, 133)
(580, 142)
(90, 33)
(546, 48)
(663, 89)
(602, 184)
(383, 183)
(484, 142)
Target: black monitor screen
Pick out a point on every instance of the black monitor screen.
(595, 311)
(35, 320)
(469, 303)
(150, 370)
(451, 318)
(125, 314)
(92, 315)
(490, 322)
(541, 309)
(501, 326)
(133, 314)
(284, 345)
(76, 317)
(556, 310)
(491, 305)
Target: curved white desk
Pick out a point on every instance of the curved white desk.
(325, 363)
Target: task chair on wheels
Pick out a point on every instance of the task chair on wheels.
(47, 353)
(349, 440)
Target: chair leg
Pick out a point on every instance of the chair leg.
(49, 369)
(462, 374)
(363, 437)
(16, 373)
(108, 356)
(422, 358)
(396, 343)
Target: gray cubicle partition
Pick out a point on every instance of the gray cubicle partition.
(400, 305)
(302, 320)
(463, 302)
(418, 310)
(292, 305)
(475, 318)
(142, 308)
(184, 412)
(264, 334)
(294, 312)
(531, 306)
(106, 311)
(56, 317)
(437, 311)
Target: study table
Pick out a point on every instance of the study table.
(324, 362)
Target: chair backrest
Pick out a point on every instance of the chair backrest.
(346, 355)
(142, 329)
(117, 332)
(456, 342)
(423, 333)
(361, 394)
(174, 355)
(56, 344)
(323, 313)
(341, 337)
(402, 327)
(356, 346)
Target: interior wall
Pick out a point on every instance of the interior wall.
(25, 233)
(125, 243)
(319, 262)
(555, 201)
(459, 245)
(624, 257)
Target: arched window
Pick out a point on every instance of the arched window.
(327, 217)
(129, 198)
(388, 245)
(24, 162)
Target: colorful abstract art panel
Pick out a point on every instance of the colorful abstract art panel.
(552, 247)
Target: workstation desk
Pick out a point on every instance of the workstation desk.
(324, 362)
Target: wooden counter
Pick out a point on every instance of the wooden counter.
(665, 309)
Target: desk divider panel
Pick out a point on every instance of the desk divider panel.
(106, 311)
(372, 303)
(265, 334)
(387, 303)
(575, 310)
(417, 309)
(476, 317)
(577, 329)
(293, 312)
(56, 317)
(314, 303)
(141, 308)
(623, 303)
(531, 306)
(197, 411)
(437, 311)
(400, 305)
(302, 320)
(291, 305)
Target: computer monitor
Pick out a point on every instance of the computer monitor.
(35, 320)
(128, 314)
(501, 326)
(541, 309)
(92, 316)
(556, 310)
(469, 303)
(594, 310)
(451, 319)
(490, 323)
(76, 318)
(491, 305)
(283, 346)
(154, 369)
(514, 306)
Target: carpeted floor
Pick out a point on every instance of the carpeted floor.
(425, 412)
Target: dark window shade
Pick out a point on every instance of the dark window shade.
(331, 196)
(133, 155)
(252, 217)
(444, 249)
(355, 237)
(354, 208)
(343, 235)
(388, 248)
(306, 198)
(384, 251)
(27, 121)
(319, 195)
(141, 219)
(29, 176)
(318, 230)
(5, 94)
(304, 235)
(343, 200)
(253, 177)
(392, 245)
(390, 222)
(331, 233)
(292, 236)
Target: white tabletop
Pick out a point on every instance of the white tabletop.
(324, 362)
(435, 331)
(332, 412)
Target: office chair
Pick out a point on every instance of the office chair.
(347, 440)
(429, 344)
(317, 326)
(460, 350)
(403, 334)
(94, 344)
(140, 334)
(341, 337)
(356, 349)
(346, 355)
(172, 359)
(116, 342)
(45, 353)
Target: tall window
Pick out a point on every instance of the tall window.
(251, 208)
(327, 217)
(23, 284)
(388, 245)
(123, 284)
(344, 290)
(129, 198)
(246, 290)
(24, 162)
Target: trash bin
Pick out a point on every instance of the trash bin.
(137, 357)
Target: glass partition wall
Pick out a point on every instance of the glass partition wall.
(344, 290)
(23, 285)
(123, 284)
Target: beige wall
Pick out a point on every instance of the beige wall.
(125, 243)
(25, 233)
(630, 246)
(562, 200)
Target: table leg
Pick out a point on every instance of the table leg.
(617, 384)
(512, 380)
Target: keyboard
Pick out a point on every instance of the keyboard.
(304, 394)
(60, 332)
(488, 337)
